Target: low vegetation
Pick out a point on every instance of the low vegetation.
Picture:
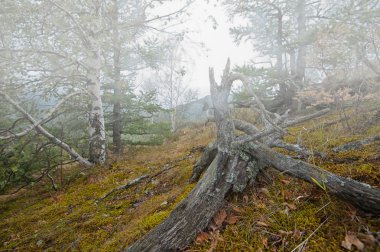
(279, 214)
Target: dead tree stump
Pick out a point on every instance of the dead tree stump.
(232, 163)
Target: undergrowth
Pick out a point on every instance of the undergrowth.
(278, 214)
(71, 220)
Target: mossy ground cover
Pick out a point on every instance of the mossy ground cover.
(277, 215)
(282, 212)
(70, 220)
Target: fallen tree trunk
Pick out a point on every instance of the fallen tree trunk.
(194, 213)
(359, 194)
(190, 217)
(235, 163)
(252, 134)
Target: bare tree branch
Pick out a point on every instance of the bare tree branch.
(44, 132)
(43, 120)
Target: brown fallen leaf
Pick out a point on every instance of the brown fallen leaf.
(232, 219)
(291, 206)
(297, 235)
(265, 242)
(202, 238)
(285, 181)
(262, 224)
(287, 194)
(265, 191)
(57, 198)
(237, 209)
(245, 199)
(282, 232)
(352, 212)
(367, 239)
(350, 240)
(220, 217)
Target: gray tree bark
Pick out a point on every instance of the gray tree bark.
(279, 38)
(362, 195)
(234, 166)
(92, 62)
(226, 172)
(301, 58)
(116, 112)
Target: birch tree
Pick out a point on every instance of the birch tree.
(135, 27)
(171, 86)
(59, 43)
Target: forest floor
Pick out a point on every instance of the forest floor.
(280, 213)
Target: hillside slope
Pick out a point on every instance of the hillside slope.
(279, 214)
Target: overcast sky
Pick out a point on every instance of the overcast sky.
(219, 45)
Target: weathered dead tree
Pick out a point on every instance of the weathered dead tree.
(232, 163)
(228, 170)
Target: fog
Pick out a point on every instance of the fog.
(144, 125)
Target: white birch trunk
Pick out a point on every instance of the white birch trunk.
(97, 150)
(173, 119)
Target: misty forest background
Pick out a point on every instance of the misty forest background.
(85, 84)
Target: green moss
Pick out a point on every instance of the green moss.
(70, 219)
(184, 194)
(287, 228)
(152, 220)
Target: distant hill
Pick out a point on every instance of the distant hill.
(190, 112)
(194, 111)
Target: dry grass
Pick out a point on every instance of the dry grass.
(277, 215)
(69, 220)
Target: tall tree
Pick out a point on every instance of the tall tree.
(171, 86)
(134, 49)
(56, 46)
(265, 26)
(63, 47)
(301, 30)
